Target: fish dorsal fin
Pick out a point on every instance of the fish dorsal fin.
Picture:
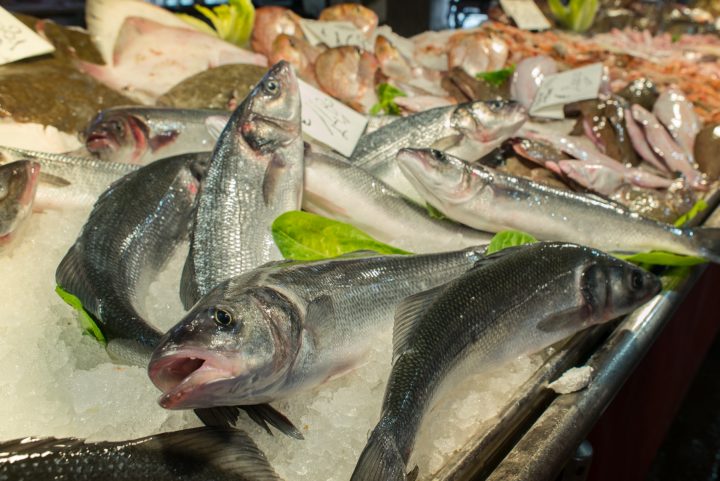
(491, 258)
(227, 450)
(33, 445)
(406, 316)
(215, 124)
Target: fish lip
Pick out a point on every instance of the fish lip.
(99, 141)
(182, 374)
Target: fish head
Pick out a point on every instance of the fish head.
(438, 176)
(231, 348)
(611, 287)
(270, 116)
(488, 120)
(18, 183)
(118, 136)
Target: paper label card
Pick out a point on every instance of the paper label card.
(329, 121)
(562, 88)
(333, 34)
(18, 41)
(526, 14)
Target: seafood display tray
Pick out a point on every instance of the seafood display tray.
(537, 432)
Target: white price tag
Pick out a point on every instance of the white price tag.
(329, 121)
(563, 88)
(17, 41)
(526, 14)
(333, 34)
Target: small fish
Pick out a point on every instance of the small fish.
(18, 181)
(140, 135)
(348, 74)
(677, 113)
(201, 454)
(288, 326)
(640, 143)
(130, 234)
(338, 189)
(362, 17)
(514, 302)
(269, 23)
(491, 201)
(468, 130)
(255, 174)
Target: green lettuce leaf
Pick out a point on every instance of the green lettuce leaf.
(86, 320)
(434, 213)
(699, 206)
(386, 100)
(508, 238)
(662, 258)
(577, 15)
(304, 236)
(497, 77)
(232, 22)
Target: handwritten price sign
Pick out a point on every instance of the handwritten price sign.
(17, 41)
(566, 87)
(334, 34)
(329, 121)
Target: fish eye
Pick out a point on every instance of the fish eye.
(117, 127)
(636, 280)
(438, 155)
(271, 86)
(222, 317)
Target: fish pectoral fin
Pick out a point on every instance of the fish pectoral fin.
(561, 321)
(163, 139)
(321, 307)
(406, 316)
(448, 142)
(412, 475)
(55, 180)
(264, 414)
(215, 124)
(270, 180)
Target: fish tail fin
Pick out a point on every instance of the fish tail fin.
(707, 242)
(71, 276)
(381, 459)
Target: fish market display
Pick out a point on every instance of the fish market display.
(465, 129)
(255, 175)
(202, 454)
(131, 233)
(288, 327)
(18, 181)
(338, 189)
(488, 200)
(140, 135)
(516, 301)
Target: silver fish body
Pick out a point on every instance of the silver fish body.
(514, 302)
(289, 327)
(18, 181)
(255, 174)
(130, 234)
(201, 454)
(68, 181)
(338, 189)
(469, 130)
(677, 113)
(485, 199)
(140, 135)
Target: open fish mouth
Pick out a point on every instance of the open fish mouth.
(184, 376)
(98, 141)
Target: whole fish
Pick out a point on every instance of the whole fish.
(640, 143)
(291, 326)
(68, 181)
(482, 198)
(201, 454)
(666, 148)
(18, 181)
(677, 113)
(459, 128)
(256, 174)
(140, 135)
(130, 234)
(150, 58)
(338, 189)
(517, 301)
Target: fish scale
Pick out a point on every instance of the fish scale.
(514, 302)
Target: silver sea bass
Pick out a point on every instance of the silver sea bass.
(470, 130)
(200, 454)
(514, 302)
(480, 197)
(256, 174)
(140, 135)
(289, 327)
(130, 234)
(337, 189)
